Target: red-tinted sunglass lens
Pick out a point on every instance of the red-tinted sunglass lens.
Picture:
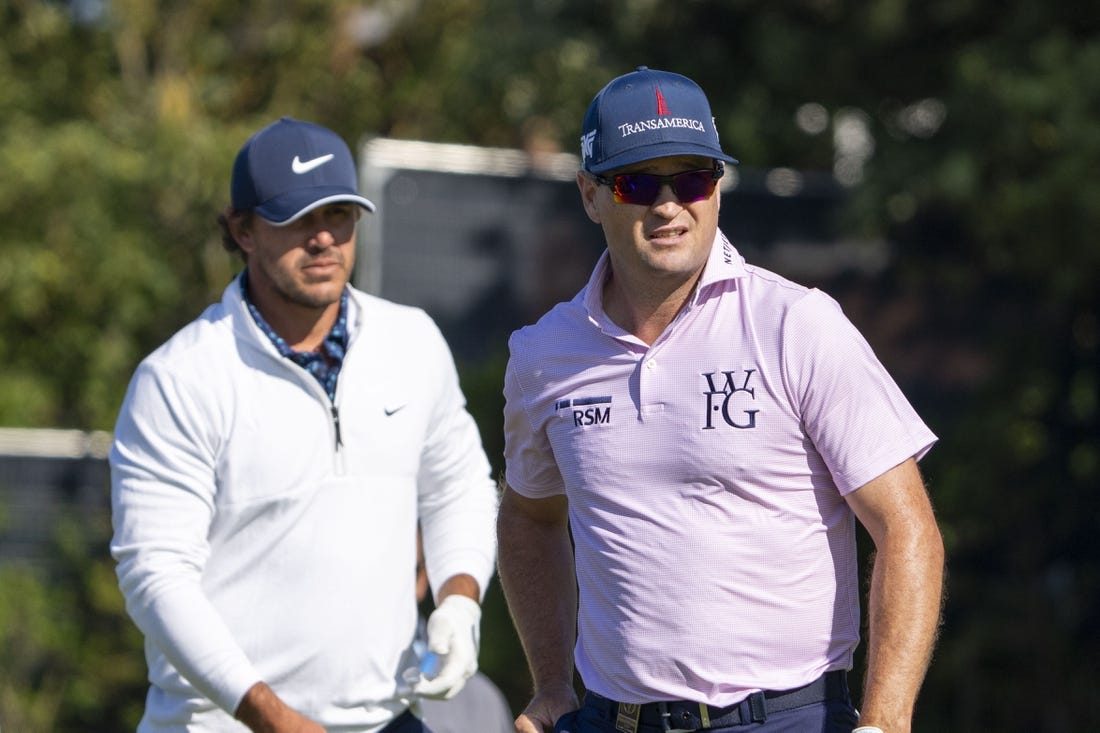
(643, 188)
(693, 185)
(637, 188)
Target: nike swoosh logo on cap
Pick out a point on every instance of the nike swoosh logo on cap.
(300, 167)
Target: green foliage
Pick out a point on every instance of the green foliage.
(33, 643)
(72, 659)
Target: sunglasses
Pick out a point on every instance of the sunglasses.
(644, 188)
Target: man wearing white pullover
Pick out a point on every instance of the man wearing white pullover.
(271, 463)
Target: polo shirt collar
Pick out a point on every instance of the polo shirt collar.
(724, 263)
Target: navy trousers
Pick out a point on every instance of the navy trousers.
(406, 722)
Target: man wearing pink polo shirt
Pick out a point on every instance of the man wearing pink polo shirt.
(710, 432)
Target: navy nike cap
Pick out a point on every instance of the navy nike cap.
(289, 168)
(648, 114)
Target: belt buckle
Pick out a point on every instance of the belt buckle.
(704, 715)
(626, 719)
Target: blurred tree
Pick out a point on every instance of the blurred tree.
(72, 659)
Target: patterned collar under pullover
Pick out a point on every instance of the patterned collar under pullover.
(324, 364)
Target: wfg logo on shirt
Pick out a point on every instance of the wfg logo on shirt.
(587, 410)
(723, 386)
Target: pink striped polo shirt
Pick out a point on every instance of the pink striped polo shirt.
(705, 474)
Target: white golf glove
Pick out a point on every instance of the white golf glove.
(454, 637)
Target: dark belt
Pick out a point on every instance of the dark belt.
(683, 715)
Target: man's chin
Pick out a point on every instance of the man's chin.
(320, 295)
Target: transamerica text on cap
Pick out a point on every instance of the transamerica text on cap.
(629, 128)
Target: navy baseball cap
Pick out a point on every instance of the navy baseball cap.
(648, 114)
(290, 167)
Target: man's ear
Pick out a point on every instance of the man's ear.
(241, 230)
(589, 188)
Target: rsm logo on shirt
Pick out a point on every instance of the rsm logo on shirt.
(722, 388)
(586, 411)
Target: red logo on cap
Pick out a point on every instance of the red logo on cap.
(662, 108)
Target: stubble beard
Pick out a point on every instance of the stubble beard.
(303, 291)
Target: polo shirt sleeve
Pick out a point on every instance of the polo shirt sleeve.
(530, 468)
(852, 409)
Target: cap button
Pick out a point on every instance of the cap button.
(642, 68)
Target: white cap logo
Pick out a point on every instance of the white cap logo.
(587, 140)
(300, 167)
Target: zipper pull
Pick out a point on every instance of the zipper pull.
(336, 423)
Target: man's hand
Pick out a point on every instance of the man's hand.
(453, 635)
(545, 708)
(263, 712)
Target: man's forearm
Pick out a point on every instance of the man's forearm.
(264, 712)
(903, 621)
(539, 582)
(461, 584)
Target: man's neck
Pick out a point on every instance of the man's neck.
(303, 328)
(306, 329)
(644, 310)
